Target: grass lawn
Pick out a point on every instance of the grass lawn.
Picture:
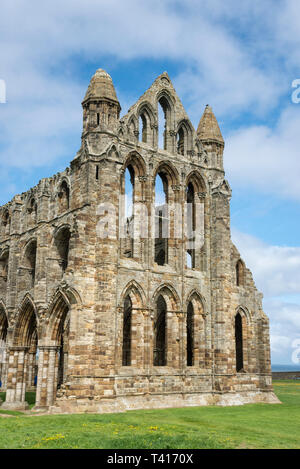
(249, 426)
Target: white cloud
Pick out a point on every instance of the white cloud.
(276, 271)
(38, 40)
(267, 159)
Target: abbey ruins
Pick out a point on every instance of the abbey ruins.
(120, 287)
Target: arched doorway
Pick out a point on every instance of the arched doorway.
(24, 336)
(54, 353)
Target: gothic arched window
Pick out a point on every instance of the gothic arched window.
(6, 223)
(62, 243)
(64, 197)
(160, 333)
(127, 318)
(161, 219)
(191, 225)
(180, 141)
(30, 261)
(32, 211)
(239, 342)
(190, 335)
(129, 216)
(164, 116)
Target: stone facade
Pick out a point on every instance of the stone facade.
(121, 321)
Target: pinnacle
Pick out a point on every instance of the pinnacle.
(208, 128)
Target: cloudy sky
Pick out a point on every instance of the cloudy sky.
(240, 57)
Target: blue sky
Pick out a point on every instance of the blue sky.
(240, 58)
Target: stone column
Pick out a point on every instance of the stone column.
(137, 338)
(147, 331)
(221, 289)
(173, 338)
(3, 367)
(47, 376)
(181, 339)
(16, 379)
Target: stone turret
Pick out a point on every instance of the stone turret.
(211, 137)
(101, 108)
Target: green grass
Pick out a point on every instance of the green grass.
(249, 426)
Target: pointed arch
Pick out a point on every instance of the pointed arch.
(120, 133)
(113, 150)
(132, 189)
(242, 333)
(127, 332)
(64, 195)
(167, 214)
(170, 295)
(160, 332)
(68, 294)
(147, 106)
(198, 301)
(131, 325)
(29, 262)
(57, 314)
(136, 294)
(3, 322)
(5, 222)
(239, 343)
(146, 117)
(245, 313)
(169, 171)
(26, 324)
(135, 160)
(199, 149)
(166, 327)
(198, 181)
(196, 323)
(56, 335)
(61, 244)
(195, 194)
(4, 264)
(5, 217)
(166, 104)
(190, 333)
(184, 137)
(132, 127)
(32, 209)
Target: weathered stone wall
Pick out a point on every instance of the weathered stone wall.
(63, 286)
